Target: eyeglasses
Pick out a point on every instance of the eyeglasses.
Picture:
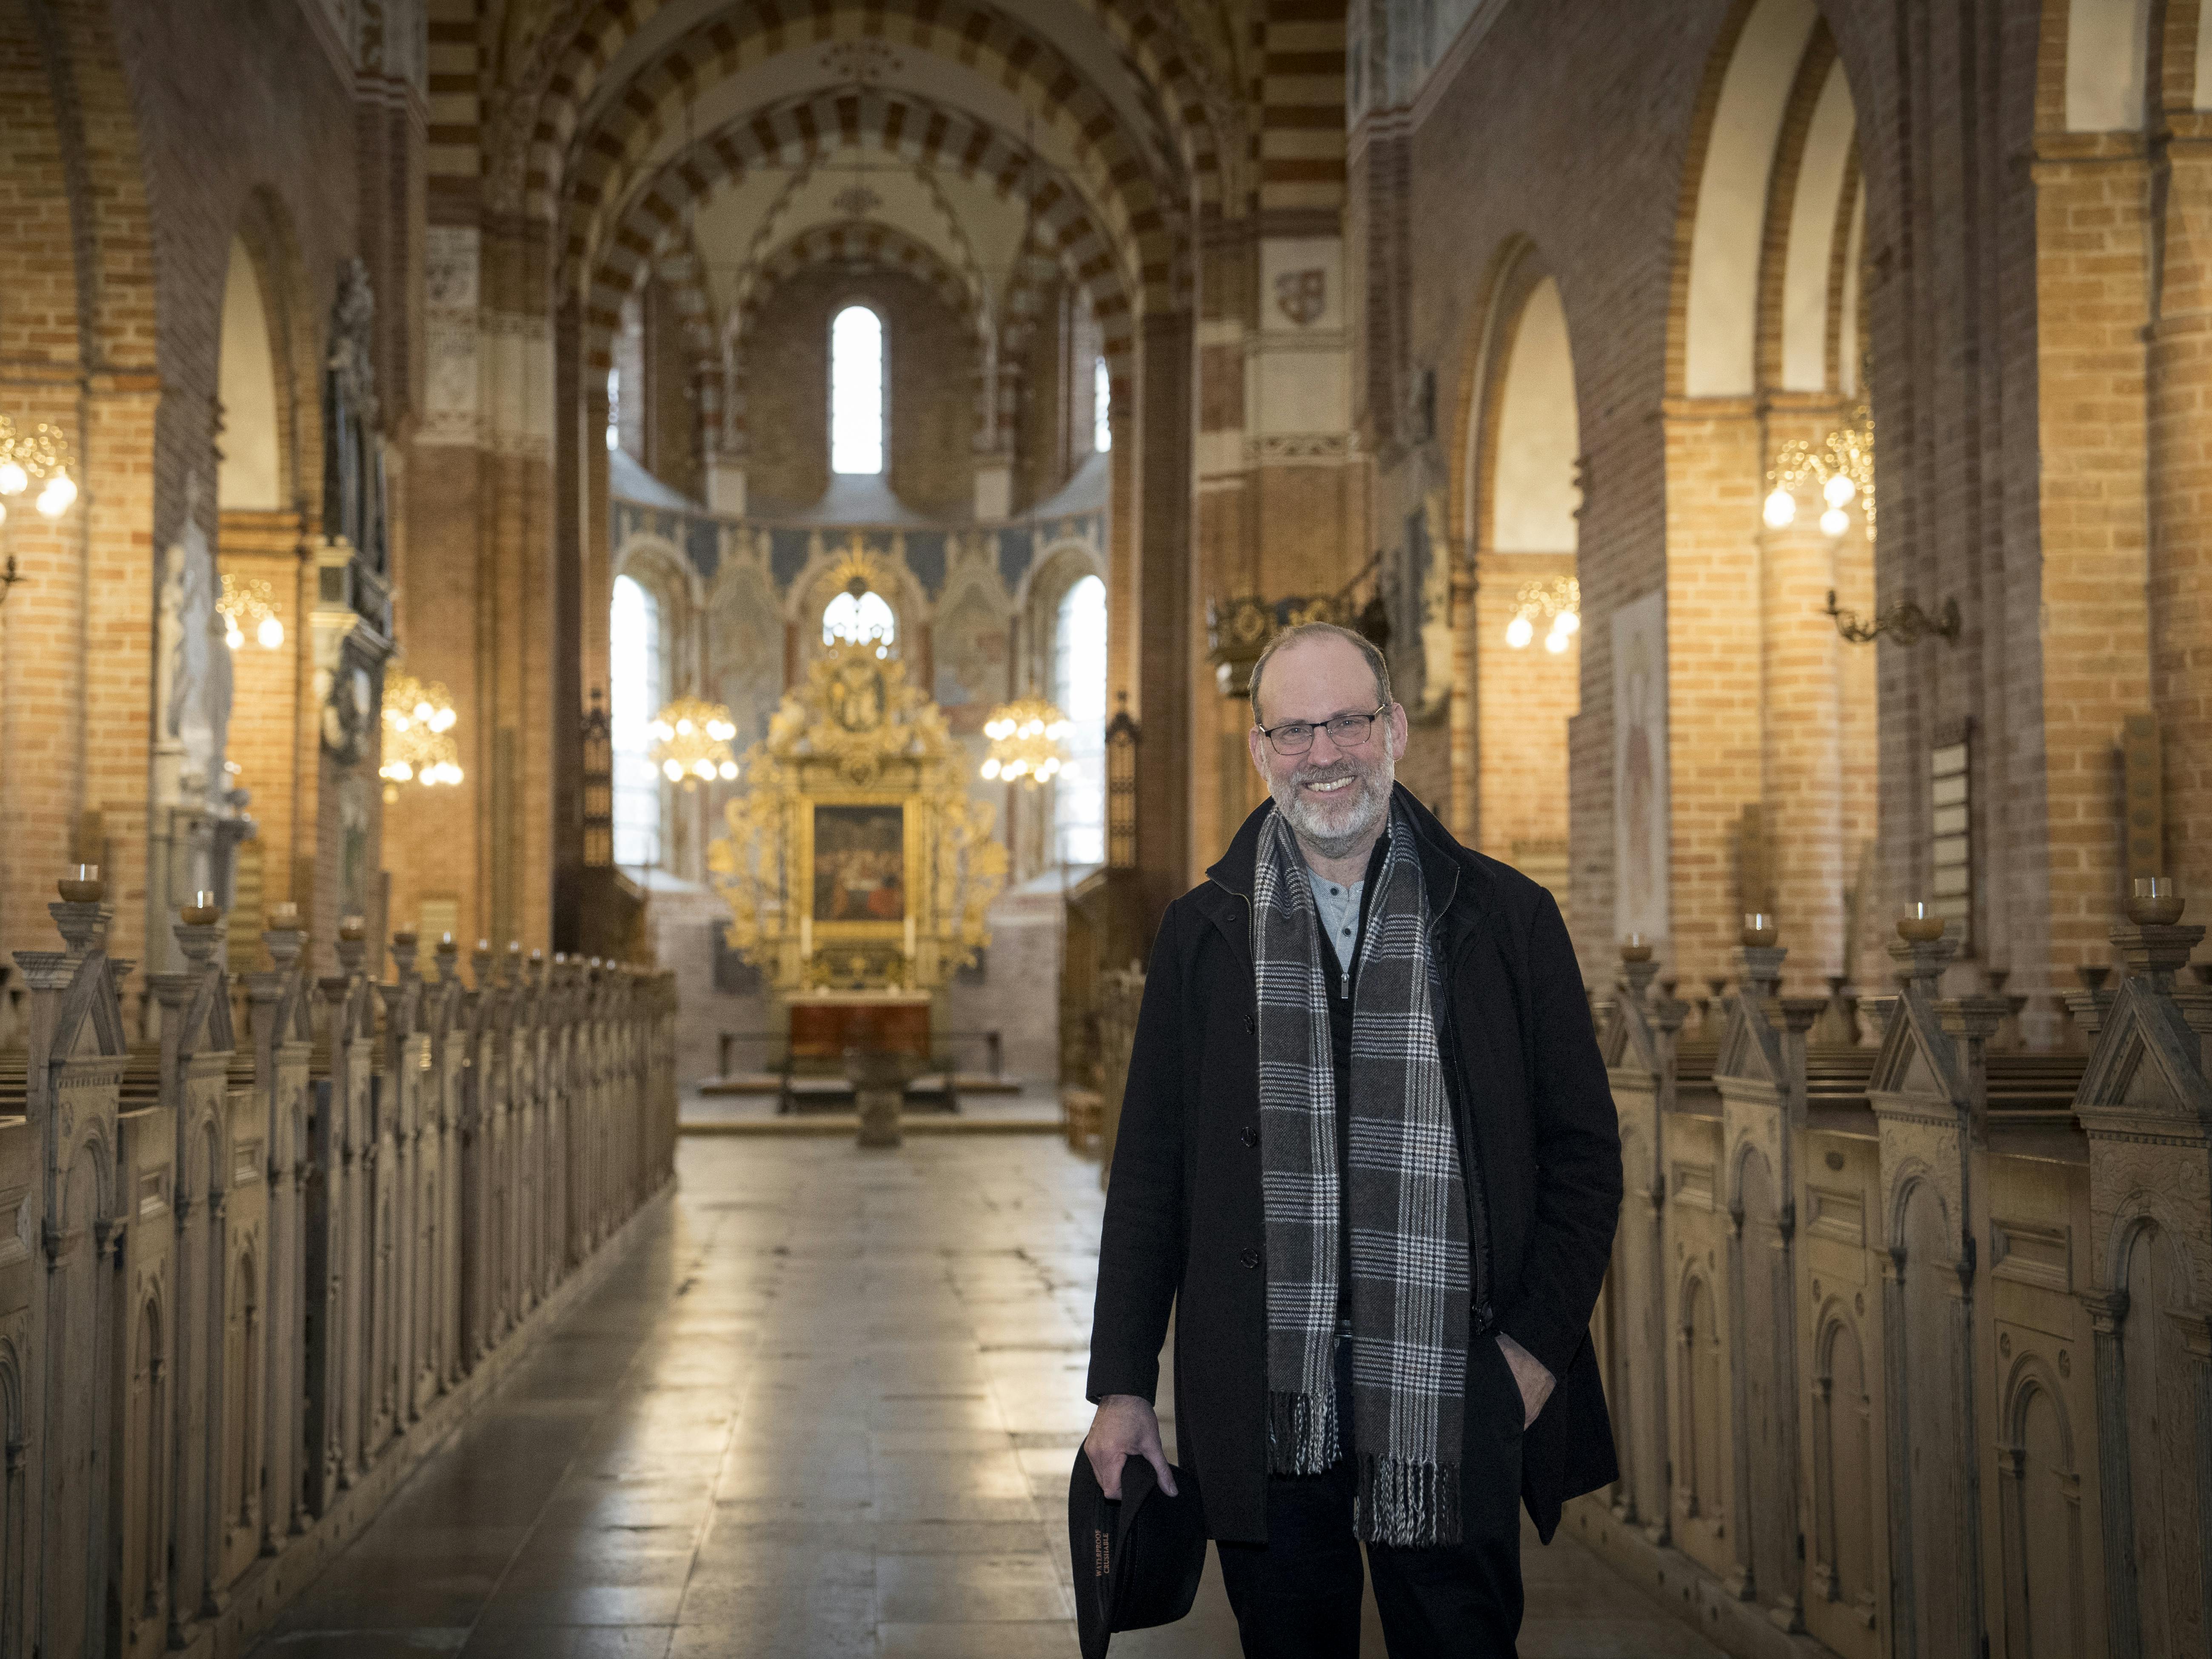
(1345, 731)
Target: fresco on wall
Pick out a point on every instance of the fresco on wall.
(970, 659)
(745, 632)
(1639, 768)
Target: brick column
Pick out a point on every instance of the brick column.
(1164, 586)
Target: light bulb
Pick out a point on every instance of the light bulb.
(1555, 641)
(674, 768)
(443, 720)
(399, 722)
(991, 769)
(704, 768)
(1018, 768)
(1838, 490)
(233, 638)
(423, 711)
(728, 769)
(401, 770)
(54, 500)
(1781, 509)
(1519, 632)
(1835, 521)
(13, 479)
(271, 632)
(683, 728)
(1566, 622)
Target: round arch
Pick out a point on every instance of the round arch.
(921, 132)
(569, 77)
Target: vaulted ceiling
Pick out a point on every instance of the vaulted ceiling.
(979, 144)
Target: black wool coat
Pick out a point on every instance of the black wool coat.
(1184, 1223)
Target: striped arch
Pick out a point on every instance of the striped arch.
(861, 245)
(924, 134)
(606, 152)
(567, 77)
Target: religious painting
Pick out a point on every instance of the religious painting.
(860, 863)
(1639, 768)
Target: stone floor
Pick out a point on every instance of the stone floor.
(825, 1405)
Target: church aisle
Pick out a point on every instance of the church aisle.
(824, 1407)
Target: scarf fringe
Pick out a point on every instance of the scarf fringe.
(1405, 1504)
(1303, 1433)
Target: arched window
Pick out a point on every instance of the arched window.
(635, 687)
(1102, 407)
(860, 618)
(1079, 686)
(856, 391)
(614, 407)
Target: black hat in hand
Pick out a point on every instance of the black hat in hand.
(1138, 1561)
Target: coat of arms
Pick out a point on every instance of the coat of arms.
(1302, 294)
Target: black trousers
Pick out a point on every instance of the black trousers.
(1297, 1596)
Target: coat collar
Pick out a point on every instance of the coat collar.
(1456, 880)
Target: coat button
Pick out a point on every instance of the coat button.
(1250, 1258)
(1249, 1135)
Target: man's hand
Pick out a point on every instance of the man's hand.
(1528, 1371)
(1125, 1427)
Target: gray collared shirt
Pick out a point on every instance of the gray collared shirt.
(1339, 903)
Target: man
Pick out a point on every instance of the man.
(1368, 1153)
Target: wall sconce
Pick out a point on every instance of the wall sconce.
(1904, 622)
(1843, 466)
(1560, 600)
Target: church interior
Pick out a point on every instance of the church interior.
(618, 617)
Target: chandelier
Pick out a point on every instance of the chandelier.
(1843, 466)
(249, 600)
(1026, 738)
(40, 456)
(691, 742)
(418, 740)
(1560, 600)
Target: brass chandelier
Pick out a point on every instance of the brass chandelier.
(691, 742)
(1028, 742)
(1843, 467)
(418, 735)
(1560, 600)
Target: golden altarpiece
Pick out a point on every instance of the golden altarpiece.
(857, 867)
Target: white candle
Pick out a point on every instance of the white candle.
(805, 937)
(910, 935)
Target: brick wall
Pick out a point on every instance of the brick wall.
(932, 363)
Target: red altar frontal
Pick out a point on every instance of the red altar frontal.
(825, 1025)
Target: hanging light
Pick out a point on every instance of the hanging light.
(40, 456)
(249, 602)
(1843, 466)
(691, 742)
(1028, 738)
(418, 747)
(1561, 600)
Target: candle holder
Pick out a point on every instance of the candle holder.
(1636, 948)
(353, 930)
(2156, 902)
(1919, 924)
(201, 911)
(1758, 930)
(284, 918)
(82, 886)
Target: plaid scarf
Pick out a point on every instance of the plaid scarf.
(1405, 1202)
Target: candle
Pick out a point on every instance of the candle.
(909, 936)
(805, 937)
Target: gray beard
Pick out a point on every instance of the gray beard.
(1323, 838)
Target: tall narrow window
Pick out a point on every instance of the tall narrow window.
(614, 407)
(864, 619)
(856, 390)
(1079, 686)
(633, 677)
(1102, 407)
